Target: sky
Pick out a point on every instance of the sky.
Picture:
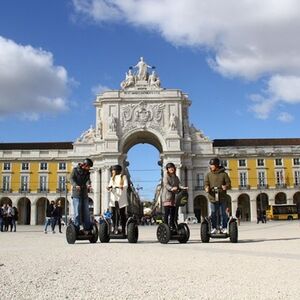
(238, 60)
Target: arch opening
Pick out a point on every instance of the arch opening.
(244, 205)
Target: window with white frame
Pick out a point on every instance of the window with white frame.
(261, 179)
(279, 177)
(260, 162)
(61, 166)
(6, 166)
(5, 183)
(62, 183)
(25, 166)
(297, 177)
(278, 162)
(242, 162)
(43, 166)
(24, 183)
(243, 179)
(296, 161)
(43, 183)
(200, 180)
(224, 163)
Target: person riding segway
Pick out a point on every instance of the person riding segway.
(109, 228)
(218, 225)
(173, 196)
(81, 185)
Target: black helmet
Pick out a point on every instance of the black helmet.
(214, 161)
(88, 162)
(170, 165)
(117, 168)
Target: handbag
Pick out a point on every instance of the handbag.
(181, 198)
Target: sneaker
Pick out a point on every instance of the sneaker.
(60, 232)
(53, 231)
(214, 231)
(45, 232)
(224, 230)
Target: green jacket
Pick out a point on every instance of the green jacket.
(217, 179)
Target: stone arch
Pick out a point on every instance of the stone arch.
(262, 201)
(296, 198)
(5, 200)
(41, 207)
(24, 208)
(280, 198)
(200, 207)
(244, 205)
(139, 136)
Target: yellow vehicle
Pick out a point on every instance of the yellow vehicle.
(282, 212)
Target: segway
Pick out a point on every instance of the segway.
(206, 225)
(73, 233)
(180, 232)
(108, 230)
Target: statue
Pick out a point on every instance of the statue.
(173, 123)
(112, 123)
(99, 131)
(129, 80)
(153, 80)
(142, 73)
(87, 136)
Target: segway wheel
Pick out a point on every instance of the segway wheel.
(94, 238)
(71, 234)
(204, 232)
(163, 233)
(103, 233)
(132, 232)
(233, 232)
(184, 233)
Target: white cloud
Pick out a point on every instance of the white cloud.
(99, 89)
(285, 117)
(247, 39)
(30, 83)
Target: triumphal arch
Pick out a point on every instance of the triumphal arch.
(143, 111)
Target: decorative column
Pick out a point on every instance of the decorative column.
(104, 192)
(33, 215)
(190, 208)
(253, 211)
(96, 189)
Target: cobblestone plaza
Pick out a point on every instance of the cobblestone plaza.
(263, 265)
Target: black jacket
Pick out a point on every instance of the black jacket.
(49, 210)
(81, 178)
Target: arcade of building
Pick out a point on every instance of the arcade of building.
(263, 171)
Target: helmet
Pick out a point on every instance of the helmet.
(170, 165)
(117, 168)
(88, 162)
(214, 161)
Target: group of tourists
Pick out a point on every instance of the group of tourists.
(53, 216)
(118, 183)
(8, 217)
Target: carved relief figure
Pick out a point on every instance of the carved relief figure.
(87, 136)
(173, 122)
(112, 123)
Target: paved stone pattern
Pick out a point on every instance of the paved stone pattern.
(263, 265)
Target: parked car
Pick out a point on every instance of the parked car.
(191, 220)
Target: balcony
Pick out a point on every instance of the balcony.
(62, 190)
(262, 186)
(244, 187)
(5, 190)
(43, 191)
(281, 186)
(24, 190)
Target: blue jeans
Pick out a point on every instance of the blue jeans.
(81, 206)
(218, 208)
(48, 222)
